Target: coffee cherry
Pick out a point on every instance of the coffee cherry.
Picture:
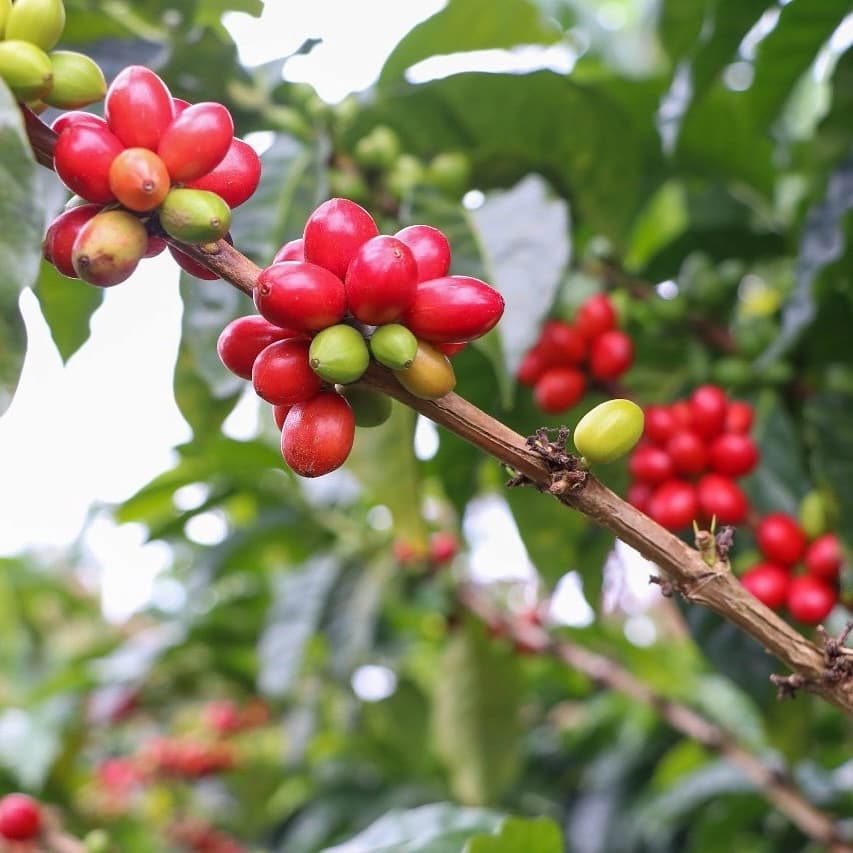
(733, 454)
(380, 280)
(813, 514)
(687, 452)
(65, 120)
(235, 178)
(430, 248)
(558, 389)
(334, 232)
(430, 375)
(194, 216)
(451, 348)
(370, 408)
(82, 159)
(156, 245)
(650, 464)
(138, 107)
(721, 498)
(63, 231)
(673, 504)
(339, 354)
(769, 583)
(810, 599)
(109, 247)
(595, 316)
(20, 817)
(293, 250)
(682, 413)
(279, 413)
(394, 346)
(660, 424)
(610, 355)
(26, 70)
(708, 405)
(532, 366)
(443, 547)
(608, 431)
(318, 434)
(561, 343)
(196, 141)
(138, 179)
(739, 417)
(178, 106)
(77, 80)
(281, 374)
(823, 557)
(242, 340)
(192, 266)
(449, 172)
(453, 308)
(639, 495)
(300, 295)
(38, 21)
(780, 538)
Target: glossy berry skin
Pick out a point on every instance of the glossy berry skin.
(138, 107)
(292, 250)
(660, 424)
(138, 179)
(450, 348)
(823, 557)
(279, 413)
(780, 538)
(108, 248)
(687, 452)
(196, 141)
(73, 117)
(608, 431)
(610, 355)
(63, 231)
(558, 389)
(430, 249)
(430, 375)
(454, 308)
(733, 454)
(156, 245)
(708, 405)
(650, 464)
(721, 498)
(810, 599)
(282, 375)
(235, 178)
(380, 280)
(769, 583)
(82, 159)
(192, 266)
(595, 316)
(318, 434)
(561, 343)
(300, 295)
(673, 504)
(739, 417)
(334, 232)
(241, 341)
(20, 817)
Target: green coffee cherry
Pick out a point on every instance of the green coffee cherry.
(40, 22)
(77, 80)
(27, 70)
(5, 9)
(339, 354)
(195, 216)
(449, 172)
(813, 514)
(378, 149)
(347, 184)
(609, 431)
(406, 174)
(371, 408)
(733, 372)
(394, 346)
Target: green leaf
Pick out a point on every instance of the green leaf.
(532, 835)
(680, 26)
(476, 724)
(466, 25)
(730, 708)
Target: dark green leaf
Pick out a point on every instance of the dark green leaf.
(680, 26)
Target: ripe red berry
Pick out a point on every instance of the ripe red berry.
(721, 498)
(450, 348)
(191, 265)
(443, 547)
(242, 340)
(155, 246)
(279, 413)
(560, 343)
(595, 316)
(673, 504)
(610, 355)
(138, 107)
(82, 159)
(708, 405)
(781, 538)
(63, 231)
(300, 295)
(334, 232)
(532, 366)
(733, 454)
(810, 599)
(660, 424)
(682, 413)
(292, 250)
(380, 281)
(823, 557)
(650, 464)
(196, 141)
(430, 248)
(20, 817)
(687, 451)
(318, 434)
(179, 105)
(222, 716)
(138, 179)
(282, 373)
(558, 389)
(639, 495)
(739, 416)
(235, 178)
(769, 583)
(65, 120)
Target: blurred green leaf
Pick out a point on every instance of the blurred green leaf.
(533, 835)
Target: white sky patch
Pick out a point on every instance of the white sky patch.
(426, 438)
(372, 683)
(497, 552)
(568, 604)
(245, 419)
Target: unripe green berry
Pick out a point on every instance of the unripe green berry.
(609, 431)
(449, 172)
(27, 70)
(377, 149)
(194, 216)
(39, 22)
(5, 9)
(371, 408)
(77, 80)
(394, 346)
(339, 354)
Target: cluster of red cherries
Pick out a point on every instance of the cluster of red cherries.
(567, 357)
(185, 757)
(686, 465)
(441, 548)
(796, 574)
(337, 297)
(153, 165)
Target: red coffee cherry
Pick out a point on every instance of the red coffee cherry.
(673, 504)
(443, 547)
(823, 557)
(138, 179)
(532, 366)
(73, 117)
(318, 434)
(639, 495)
(196, 141)
(235, 178)
(156, 245)
(769, 583)
(739, 417)
(733, 454)
(558, 389)
(63, 231)
(780, 538)
(380, 281)
(293, 250)
(453, 308)
(279, 413)
(20, 817)
(222, 716)
(430, 249)
(708, 405)
(682, 413)
(810, 599)
(138, 107)
(660, 424)
(650, 464)
(282, 374)
(561, 343)
(191, 265)
(300, 295)
(82, 159)
(242, 340)
(687, 451)
(595, 316)
(451, 348)
(334, 232)
(610, 355)
(179, 105)
(721, 498)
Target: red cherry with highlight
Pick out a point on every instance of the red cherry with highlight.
(823, 557)
(780, 538)
(769, 583)
(318, 434)
(196, 141)
(138, 107)
(380, 281)
(660, 424)
(673, 504)
(242, 340)
(82, 158)
(430, 248)
(595, 316)
(610, 355)
(74, 117)
(650, 464)
(282, 373)
(293, 250)
(561, 343)
(739, 416)
(279, 413)
(708, 405)
(687, 451)
(721, 498)
(810, 599)
(334, 232)
(558, 389)
(235, 178)
(300, 295)
(532, 366)
(733, 454)
(20, 817)
(61, 234)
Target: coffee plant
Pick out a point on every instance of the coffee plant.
(521, 341)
